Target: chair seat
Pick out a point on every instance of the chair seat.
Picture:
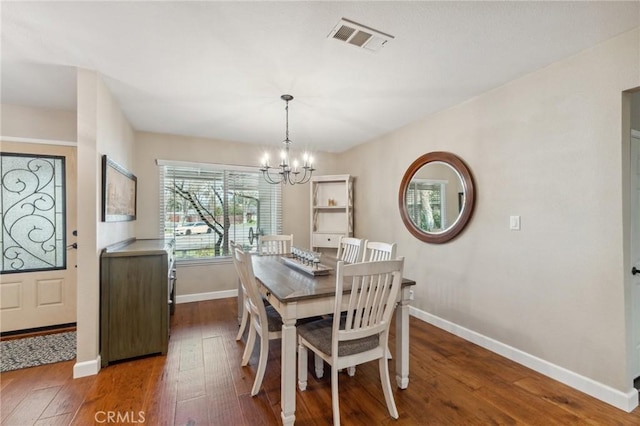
(318, 333)
(274, 319)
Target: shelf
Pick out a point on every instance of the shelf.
(330, 207)
(331, 210)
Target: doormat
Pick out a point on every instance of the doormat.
(37, 350)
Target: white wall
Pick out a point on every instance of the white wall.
(102, 129)
(197, 279)
(546, 147)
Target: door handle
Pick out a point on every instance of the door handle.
(635, 270)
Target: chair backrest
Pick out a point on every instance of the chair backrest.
(374, 291)
(350, 249)
(375, 251)
(275, 244)
(242, 261)
(233, 246)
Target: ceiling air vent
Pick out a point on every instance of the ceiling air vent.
(359, 35)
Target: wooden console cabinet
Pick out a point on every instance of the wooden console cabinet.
(137, 294)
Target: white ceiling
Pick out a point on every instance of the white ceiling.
(217, 69)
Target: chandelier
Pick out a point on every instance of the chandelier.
(287, 172)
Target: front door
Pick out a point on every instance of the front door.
(635, 249)
(38, 206)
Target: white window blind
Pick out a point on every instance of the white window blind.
(205, 206)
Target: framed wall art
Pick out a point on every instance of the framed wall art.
(119, 191)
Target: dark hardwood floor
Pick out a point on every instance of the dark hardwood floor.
(200, 382)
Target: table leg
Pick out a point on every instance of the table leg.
(288, 372)
(402, 341)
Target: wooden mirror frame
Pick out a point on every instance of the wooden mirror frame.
(469, 193)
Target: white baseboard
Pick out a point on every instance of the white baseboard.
(625, 401)
(86, 368)
(198, 297)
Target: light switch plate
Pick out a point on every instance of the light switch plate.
(514, 223)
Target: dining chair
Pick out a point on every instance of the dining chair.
(267, 245)
(362, 334)
(350, 249)
(274, 244)
(242, 305)
(375, 251)
(263, 321)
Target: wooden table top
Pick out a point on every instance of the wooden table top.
(290, 285)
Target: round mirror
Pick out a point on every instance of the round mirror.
(436, 197)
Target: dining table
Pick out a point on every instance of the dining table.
(297, 293)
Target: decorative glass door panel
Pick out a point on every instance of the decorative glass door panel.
(38, 216)
(32, 202)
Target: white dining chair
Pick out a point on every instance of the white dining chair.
(264, 321)
(350, 249)
(274, 244)
(362, 334)
(375, 251)
(242, 294)
(267, 245)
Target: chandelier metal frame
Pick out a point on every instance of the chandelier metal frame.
(287, 173)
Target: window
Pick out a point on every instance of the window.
(426, 204)
(32, 203)
(205, 206)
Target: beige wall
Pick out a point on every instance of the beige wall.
(546, 147)
(102, 129)
(635, 111)
(37, 123)
(152, 146)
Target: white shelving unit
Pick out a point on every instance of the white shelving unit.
(331, 210)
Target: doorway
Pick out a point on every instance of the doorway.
(38, 288)
(635, 253)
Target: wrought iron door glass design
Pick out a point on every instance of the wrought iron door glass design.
(32, 202)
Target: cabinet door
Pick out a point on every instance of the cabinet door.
(135, 305)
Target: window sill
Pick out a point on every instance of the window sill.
(203, 262)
